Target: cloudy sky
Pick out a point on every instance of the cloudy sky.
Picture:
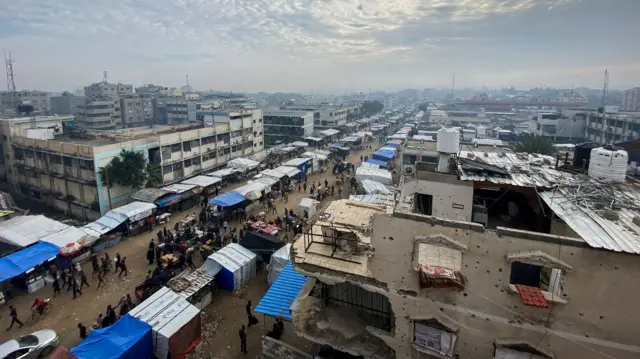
(322, 45)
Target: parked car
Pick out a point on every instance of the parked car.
(33, 346)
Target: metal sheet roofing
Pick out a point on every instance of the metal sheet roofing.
(194, 281)
(202, 181)
(25, 230)
(385, 199)
(299, 144)
(223, 172)
(330, 132)
(373, 187)
(295, 162)
(282, 293)
(243, 164)
(621, 235)
(135, 210)
(149, 195)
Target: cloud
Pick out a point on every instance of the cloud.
(263, 44)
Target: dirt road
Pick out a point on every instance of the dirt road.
(223, 317)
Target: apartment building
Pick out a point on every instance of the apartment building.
(568, 125)
(631, 99)
(61, 170)
(151, 90)
(67, 104)
(105, 89)
(572, 98)
(173, 111)
(136, 111)
(38, 99)
(612, 127)
(287, 126)
(102, 108)
(481, 261)
(326, 117)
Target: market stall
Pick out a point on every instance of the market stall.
(262, 227)
(233, 266)
(208, 183)
(78, 251)
(127, 338)
(319, 161)
(151, 195)
(261, 243)
(304, 164)
(23, 231)
(377, 163)
(244, 165)
(226, 175)
(175, 323)
(196, 287)
(27, 266)
(136, 215)
(375, 174)
(279, 260)
(188, 194)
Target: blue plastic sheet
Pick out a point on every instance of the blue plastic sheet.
(128, 338)
(386, 154)
(227, 199)
(377, 162)
(21, 261)
(168, 200)
(282, 293)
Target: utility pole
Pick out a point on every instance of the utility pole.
(106, 178)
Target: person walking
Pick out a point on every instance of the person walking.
(340, 192)
(243, 340)
(83, 280)
(56, 285)
(123, 267)
(248, 309)
(101, 275)
(151, 252)
(76, 287)
(14, 318)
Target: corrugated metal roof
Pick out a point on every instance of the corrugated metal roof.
(194, 281)
(621, 235)
(202, 181)
(330, 132)
(385, 199)
(149, 195)
(25, 230)
(373, 187)
(282, 293)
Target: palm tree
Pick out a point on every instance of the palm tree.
(154, 176)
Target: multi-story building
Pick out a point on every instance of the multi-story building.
(173, 110)
(568, 125)
(326, 117)
(572, 98)
(67, 104)
(61, 169)
(389, 102)
(102, 110)
(287, 126)
(38, 99)
(612, 126)
(478, 261)
(153, 91)
(317, 100)
(631, 99)
(136, 111)
(105, 89)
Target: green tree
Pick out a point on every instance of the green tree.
(154, 176)
(127, 170)
(370, 108)
(535, 144)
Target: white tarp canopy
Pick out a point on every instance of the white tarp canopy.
(273, 174)
(135, 211)
(285, 149)
(26, 230)
(299, 144)
(233, 266)
(202, 181)
(180, 188)
(422, 138)
(252, 187)
(222, 173)
(373, 187)
(368, 164)
(64, 237)
(329, 132)
(314, 139)
(399, 136)
(289, 171)
(104, 224)
(375, 174)
(315, 156)
(268, 181)
(170, 317)
(323, 152)
(243, 164)
(279, 259)
(295, 162)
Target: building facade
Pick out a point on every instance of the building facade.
(611, 128)
(326, 117)
(136, 111)
(38, 99)
(67, 104)
(102, 108)
(63, 172)
(105, 89)
(287, 126)
(631, 99)
(173, 111)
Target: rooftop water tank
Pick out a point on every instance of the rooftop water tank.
(448, 140)
(608, 165)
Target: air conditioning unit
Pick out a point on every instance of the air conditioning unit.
(408, 170)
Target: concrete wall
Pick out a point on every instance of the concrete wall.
(601, 292)
(275, 349)
(452, 199)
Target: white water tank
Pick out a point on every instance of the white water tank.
(608, 165)
(481, 131)
(448, 140)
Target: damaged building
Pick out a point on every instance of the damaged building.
(486, 254)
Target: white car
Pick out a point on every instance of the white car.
(37, 345)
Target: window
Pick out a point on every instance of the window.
(539, 270)
(176, 147)
(518, 350)
(17, 354)
(187, 163)
(409, 159)
(431, 336)
(167, 169)
(186, 146)
(423, 203)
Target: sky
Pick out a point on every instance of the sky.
(322, 46)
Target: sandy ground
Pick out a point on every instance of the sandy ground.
(222, 319)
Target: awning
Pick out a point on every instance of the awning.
(289, 171)
(285, 149)
(373, 187)
(322, 152)
(135, 211)
(243, 164)
(314, 139)
(299, 144)
(314, 156)
(295, 162)
(273, 174)
(282, 293)
(149, 195)
(267, 181)
(21, 261)
(127, 338)
(386, 154)
(225, 172)
(352, 124)
(184, 190)
(227, 199)
(62, 238)
(329, 132)
(377, 162)
(202, 181)
(25, 230)
(251, 187)
(169, 200)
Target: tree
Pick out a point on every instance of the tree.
(127, 170)
(370, 108)
(534, 144)
(154, 176)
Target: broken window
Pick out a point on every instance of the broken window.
(430, 335)
(438, 260)
(537, 277)
(518, 350)
(423, 204)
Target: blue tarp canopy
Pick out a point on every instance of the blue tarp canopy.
(168, 200)
(377, 162)
(227, 199)
(384, 154)
(128, 338)
(21, 261)
(280, 296)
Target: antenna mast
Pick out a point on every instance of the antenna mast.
(11, 82)
(188, 87)
(605, 89)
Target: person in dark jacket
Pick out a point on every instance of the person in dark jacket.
(243, 340)
(83, 330)
(14, 318)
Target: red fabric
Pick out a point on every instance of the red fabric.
(532, 296)
(185, 339)
(62, 353)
